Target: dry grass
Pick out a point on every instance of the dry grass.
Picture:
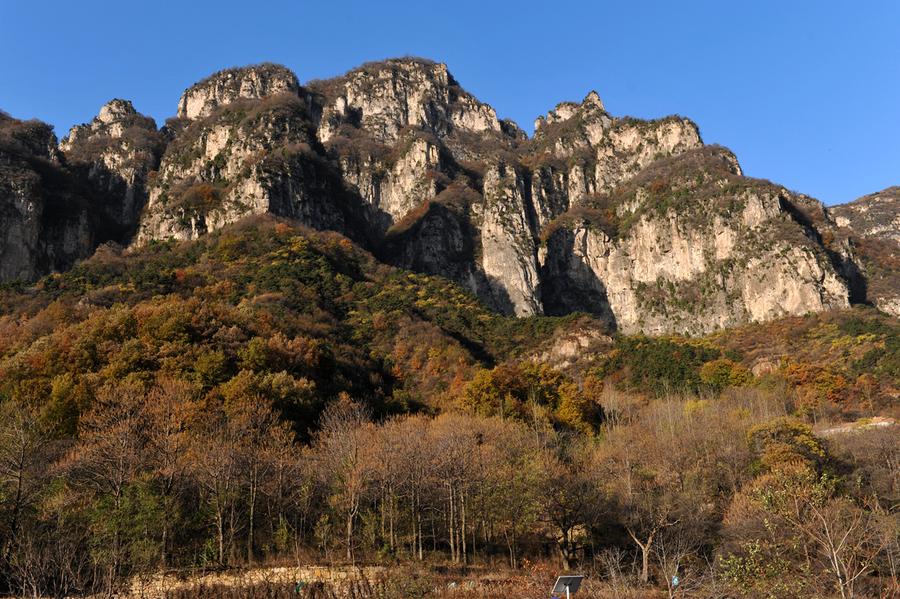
(403, 582)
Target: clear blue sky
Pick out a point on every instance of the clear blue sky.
(807, 93)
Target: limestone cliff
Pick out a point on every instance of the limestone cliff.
(229, 85)
(246, 157)
(688, 246)
(445, 187)
(508, 252)
(874, 215)
(386, 97)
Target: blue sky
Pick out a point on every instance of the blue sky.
(807, 94)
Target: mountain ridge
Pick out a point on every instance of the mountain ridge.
(399, 157)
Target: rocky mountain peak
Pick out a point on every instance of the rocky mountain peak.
(593, 98)
(28, 137)
(116, 110)
(228, 85)
(45, 222)
(566, 110)
(114, 118)
(382, 98)
(115, 153)
(871, 227)
(636, 221)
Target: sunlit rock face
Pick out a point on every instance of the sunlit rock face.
(247, 157)
(689, 246)
(384, 98)
(229, 85)
(874, 215)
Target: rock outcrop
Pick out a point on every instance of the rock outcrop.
(386, 97)
(115, 153)
(45, 211)
(874, 215)
(688, 246)
(247, 157)
(508, 252)
(229, 85)
(521, 185)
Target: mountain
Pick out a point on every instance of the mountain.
(635, 222)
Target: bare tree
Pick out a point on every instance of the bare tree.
(214, 465)
(342, 449)
(572, 497)
(170, 409)
(109, 456)
(847, 538)
(23, 463)
(261, 438)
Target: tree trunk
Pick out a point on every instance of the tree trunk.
(419, 525)
(451, 530)
(164, 556)
(511, 544)
(565, 550)
(220, 535)
(645, 554)
(465, 553)
(252, 514)
(390, 528)
(350, 538)
(645, 563)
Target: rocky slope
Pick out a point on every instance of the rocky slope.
(874, 215)
(229, 85)
(634, 221)
(872, 226)
(688, 245)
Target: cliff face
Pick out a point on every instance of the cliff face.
(519, 185)
(636, 221)
(115, 153)
(874, 215)
(688, 246)
(245, 156)
(384, 98)
(45, 212)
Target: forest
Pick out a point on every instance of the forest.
(269, 395)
